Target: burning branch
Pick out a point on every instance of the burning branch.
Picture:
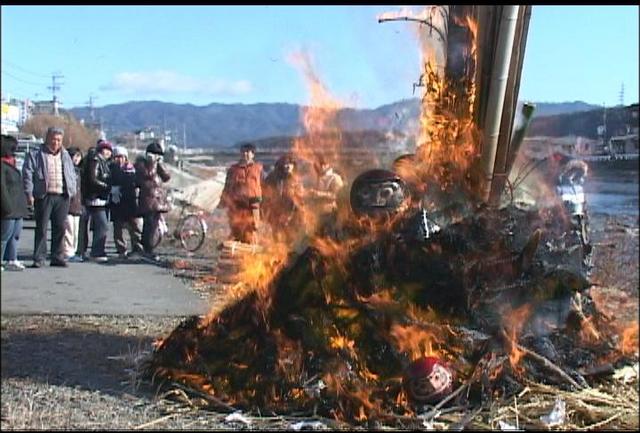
(208, 397)
(445, 400)
(426, 22)
(545, 362)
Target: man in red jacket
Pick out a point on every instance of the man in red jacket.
(242, 195)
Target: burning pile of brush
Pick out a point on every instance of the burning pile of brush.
(412, 297)
(383, 321)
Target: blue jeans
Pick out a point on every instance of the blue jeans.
(100, 228)
(11, 229)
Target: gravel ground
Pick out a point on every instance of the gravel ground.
(80, 372)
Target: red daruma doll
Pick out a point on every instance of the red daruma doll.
(427, 380)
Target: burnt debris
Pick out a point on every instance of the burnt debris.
(497, 296)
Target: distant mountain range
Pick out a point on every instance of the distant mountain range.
(220, 126)
(619, 121)
(554, 108)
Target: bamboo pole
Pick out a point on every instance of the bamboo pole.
(498, 87)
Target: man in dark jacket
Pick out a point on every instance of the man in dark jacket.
(49, 181)
(123, 203)
(97, 185)
(14, 204)
(150, 174)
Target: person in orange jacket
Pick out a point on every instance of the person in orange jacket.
(242, 195)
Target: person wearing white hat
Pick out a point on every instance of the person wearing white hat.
(120, 151)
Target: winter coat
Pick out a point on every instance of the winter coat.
(75, 204)
(96, 182)
(323, 197)
(123, 201)
(14, 201)
(149, 178)
(283, 200)
(35, 176)
(243, 186)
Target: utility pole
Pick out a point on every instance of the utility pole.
(621, 95)
(103, 135)
(164, 124)
(55, 86)
(604, 128)
(184, 136)
(92, 113)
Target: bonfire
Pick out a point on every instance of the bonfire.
(415, 304)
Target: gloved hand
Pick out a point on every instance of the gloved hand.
(115, 194)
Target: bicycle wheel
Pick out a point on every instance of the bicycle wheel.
(157, 236)
(191, 232)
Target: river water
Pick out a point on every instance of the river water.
(613, 191)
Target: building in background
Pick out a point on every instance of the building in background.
(46, 107)
(15, 112)
(10, 118)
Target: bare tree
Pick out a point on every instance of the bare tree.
(75, 134)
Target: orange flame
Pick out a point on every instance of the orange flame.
(448, 139)
(323, 137)
(195, 380)
(257, 270)
(332, 248)
(367, 375)
(323, 134)
(415, 341)
(514, 322)
(319, 117)
(446, 136)
(341, 342)
(629, 342)
(588, 331)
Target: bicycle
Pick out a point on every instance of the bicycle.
(191, 231)
(191, 228)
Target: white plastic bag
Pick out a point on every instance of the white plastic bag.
(557, 415)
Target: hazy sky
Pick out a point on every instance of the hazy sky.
(205, 54)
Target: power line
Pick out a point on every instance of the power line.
(75, 104)
(26, 70)
(19, 91)
(19, 95)
(21, 80)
